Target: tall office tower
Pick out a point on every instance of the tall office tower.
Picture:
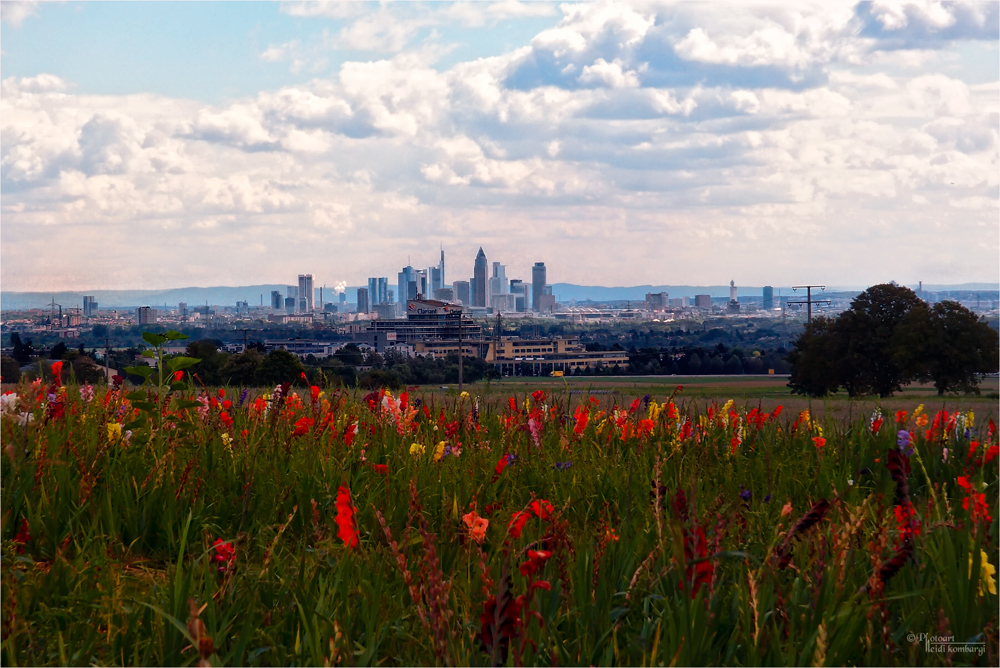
(290, 305)
(519, 289)
(404, 280)
(306, 297)
(277, 303)
(373, 291)
(441, 268)
(292, 292)
(498, 284)
(383, 291)
(435, 278)
(89, 305)
(479, 296)
(768, 298)
(537, 285)
(462, 292)
(343, 298)
(363, 305)
(422, 282)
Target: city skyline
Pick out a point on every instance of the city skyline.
(619, 143)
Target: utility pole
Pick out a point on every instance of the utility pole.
(809, 301)
(461, 351)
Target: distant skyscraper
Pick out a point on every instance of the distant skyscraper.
(479, 297)
(462, 292)
(383, 291)
(89, 305)
(145, 315)
(703, 301)
(306, 293)
(407, 285)
(435, 279)
(768, 298)
(441, 267)
(363, 305)
(537, 285)
(498, 284)
(373, 290)
(277, 303)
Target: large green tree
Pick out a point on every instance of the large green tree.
(947, 344)
(889, 337)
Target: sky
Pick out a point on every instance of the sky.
(150, 145)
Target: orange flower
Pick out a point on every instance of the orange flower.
(477, 526)
(347, 529)
(819, 442)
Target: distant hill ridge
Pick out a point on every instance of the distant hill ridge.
(257, 294)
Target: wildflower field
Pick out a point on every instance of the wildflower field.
(173, 524)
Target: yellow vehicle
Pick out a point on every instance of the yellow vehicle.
(556, 374)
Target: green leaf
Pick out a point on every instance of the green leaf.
(144, 405)
(137, 395)
(154, 339)
(177, 385)
(151, 354)
(141, 370)
(180, 362)
(181, 404)
(174, 335)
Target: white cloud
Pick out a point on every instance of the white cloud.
(14, 12)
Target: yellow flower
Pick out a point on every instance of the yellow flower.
(464, 395)
(986, 573)
(439, 451)
(970, 420)
(918, 411)
(727, 406)
(114, 431)
(416, 449)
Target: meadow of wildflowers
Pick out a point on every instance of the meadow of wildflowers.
(174, 524)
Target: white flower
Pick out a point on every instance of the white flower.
(25, 418)
(850, 482)
(8, 402)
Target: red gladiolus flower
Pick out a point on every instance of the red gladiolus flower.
(538, 396)
(512, 404)
(303, 426)
(347, 529)
(227, 404)
(57, 372)
(635, 405)
(222, 391)
(876, 425)
(226, 420)
(517, 523)
(303, 375)
(23, 536)
(224, 555)
(901, 417)
(381, 469)
(582, 417)
(245, 433)
(819, 442)
(178, 376)
(536, 560)
(776, 412)
(542, 509)
(314, 393)
(964, 483)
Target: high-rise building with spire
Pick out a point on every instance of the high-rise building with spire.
(480, 275)
(441, 268)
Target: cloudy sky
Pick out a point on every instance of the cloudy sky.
(153, 145)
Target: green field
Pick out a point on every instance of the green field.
(542, 522)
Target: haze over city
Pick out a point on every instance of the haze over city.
(159, 145)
